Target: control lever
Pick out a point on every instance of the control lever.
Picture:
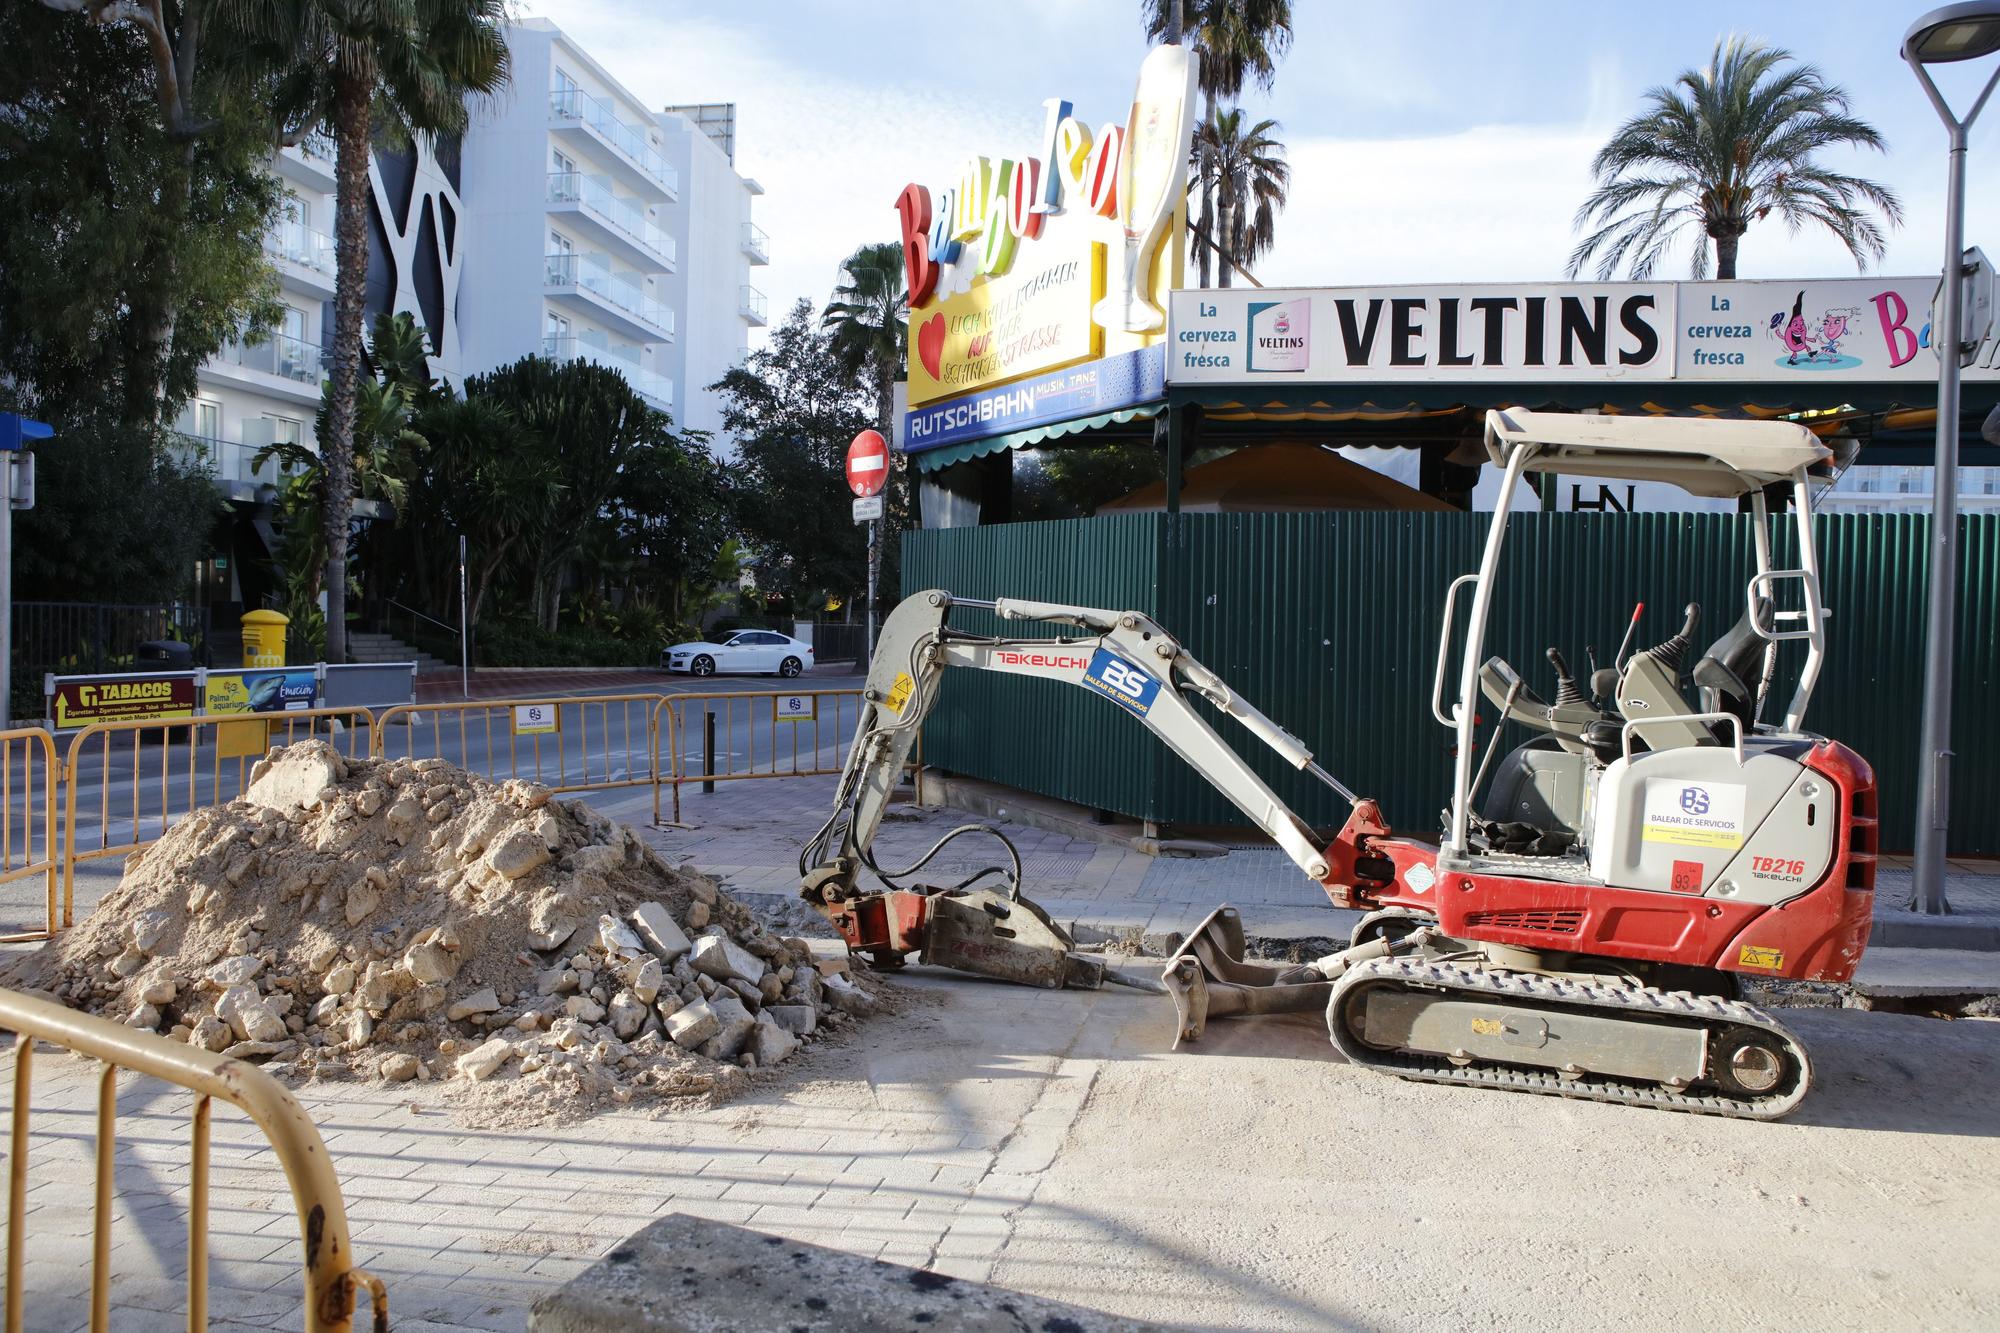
(1598, 692)
(1566, 688)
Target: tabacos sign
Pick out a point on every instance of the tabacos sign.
(1018, 266)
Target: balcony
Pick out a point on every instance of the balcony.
(655, 389)
(756, 245)
(307, 255)
(575, 112)
(588, 284)
(310, 162)
(619, 225)
(751, 304)
(230, 465)
(286, 366)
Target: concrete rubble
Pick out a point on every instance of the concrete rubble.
(407, 921)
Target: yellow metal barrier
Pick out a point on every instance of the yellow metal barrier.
(331, 1279)
(566, 744)
(200, 761)
(28, 844)
(745, 735)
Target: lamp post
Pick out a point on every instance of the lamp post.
(1953, 33)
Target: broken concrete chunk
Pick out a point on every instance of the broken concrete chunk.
(296, 778)
(517, 853)
(126, 964)
(656, 927)
(849, 997)
(617, 939)
(399, 1068)
(479, 1002)
(430, 964)
(692, 1025)
(772, 1044)
(363, 897)
(556, 981)
(326, 1008)
(736, 1022)
(645, 980)
(697, 916)
(250, 1015)
(211, 1033)
(720, 957)
(628, 1014)
(555, 937)
(145, 1016)
(584, 1009)
(800, 1020)
(485, 1059)
(159, 992)
(340, 980)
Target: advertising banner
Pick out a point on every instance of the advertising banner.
(1808, 331)
(1067, 251)
(1105, 385)
(1555, 332)
(262, 691)
(79, 701)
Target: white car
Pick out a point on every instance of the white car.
(740, 652)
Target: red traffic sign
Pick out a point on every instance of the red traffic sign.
(868, 464)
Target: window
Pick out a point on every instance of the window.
(566, 91)
(285, 430)
(207, 418)
(293, 325)
(555, 331)
(301, 211)
(562, 164)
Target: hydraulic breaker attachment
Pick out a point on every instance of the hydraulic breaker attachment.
(1209, 978)
(982, 931)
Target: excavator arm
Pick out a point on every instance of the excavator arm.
(1123, 655)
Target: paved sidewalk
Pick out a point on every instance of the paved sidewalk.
(749, 834)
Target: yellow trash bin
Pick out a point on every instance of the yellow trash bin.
(264, 638)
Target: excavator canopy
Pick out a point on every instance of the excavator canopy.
(1707, 457)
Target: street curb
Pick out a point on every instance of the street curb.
(1909, 931)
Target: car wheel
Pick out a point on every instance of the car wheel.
(790, 667)
(703, 665)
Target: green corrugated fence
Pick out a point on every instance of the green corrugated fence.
(1329, 623)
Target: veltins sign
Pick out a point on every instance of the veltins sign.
(1857, 329)
(1021, 266)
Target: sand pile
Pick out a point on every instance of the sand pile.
(405, 919)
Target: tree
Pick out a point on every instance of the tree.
(1246, 167)
(590, 425)
(132, 248)
(482, 479)
(671, 519)
(1722, 148)
(793, 409)
(1239, 41)
(408, 65)
(869, 320)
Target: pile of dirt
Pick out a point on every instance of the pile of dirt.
(406, 920)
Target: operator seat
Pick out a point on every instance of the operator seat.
(1729, 671)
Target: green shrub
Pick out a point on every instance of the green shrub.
(521, 643)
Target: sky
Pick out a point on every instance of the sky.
(1428, 141)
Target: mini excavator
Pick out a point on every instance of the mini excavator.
(1580, 929)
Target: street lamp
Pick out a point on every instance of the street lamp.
(1945, 36)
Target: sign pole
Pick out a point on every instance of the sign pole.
(464, 643)
(874, 563)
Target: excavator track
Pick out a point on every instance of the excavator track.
(1513, 992)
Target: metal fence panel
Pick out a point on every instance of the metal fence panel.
(1329, 623)
(1036, 734)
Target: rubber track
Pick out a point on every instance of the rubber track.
(1641, 1003)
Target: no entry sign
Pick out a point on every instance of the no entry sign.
(867, 464)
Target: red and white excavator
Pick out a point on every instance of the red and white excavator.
(1580, 926)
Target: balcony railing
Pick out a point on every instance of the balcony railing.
(593, 273)
(228, 460)
(751, 304)
(755, 243)
(280, 354)
(657, 388)
(574, 104)
(595, 196)
(302, 246)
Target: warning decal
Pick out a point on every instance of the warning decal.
(1752, 956)
(1694, 814)
(899, 692)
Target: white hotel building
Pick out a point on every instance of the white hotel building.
(571, 221)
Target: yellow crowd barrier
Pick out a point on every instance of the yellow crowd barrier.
(28, 847)
(580, 743)
(748, 735)
(175, 768)
(331, 1279)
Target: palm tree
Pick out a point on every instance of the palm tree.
(1239, 40)
(404, 66)
(1722, 148)
(1245, 166)
(869, 320)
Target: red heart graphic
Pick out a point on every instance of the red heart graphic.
(930, 344)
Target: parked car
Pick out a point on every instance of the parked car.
(740, 652)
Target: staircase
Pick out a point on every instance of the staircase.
(363, 647)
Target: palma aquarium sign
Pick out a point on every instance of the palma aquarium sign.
(1802, 331)
(1019, 266)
